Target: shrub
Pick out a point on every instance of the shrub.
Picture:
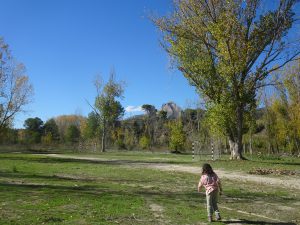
(145, 142)
(120, 144)
(177, 135)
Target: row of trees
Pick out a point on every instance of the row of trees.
(283, 113)
(62, 129)
(274, 130)
(133, 133)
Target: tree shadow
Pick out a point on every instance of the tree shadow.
(243, 221)
(32, 186)
(93, 191)
(67, 177)
(245, 197)
(55, 177)
(49, 159)
(276, 163)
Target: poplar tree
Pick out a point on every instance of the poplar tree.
(227, 49)
(107, 107)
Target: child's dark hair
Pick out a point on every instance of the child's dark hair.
(206, 169)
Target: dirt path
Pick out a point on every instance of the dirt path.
(288, 182)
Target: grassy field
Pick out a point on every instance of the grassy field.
(38, 189)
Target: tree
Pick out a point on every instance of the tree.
(270, 119)
(34, 129)
(129, 138)
(107, 107)
(137, 129)
(284, 111)
(292, 86)
(144, 142)
(51, 127)
(190, 119)
(227, 49)
(47, 138)
(15, 89)
(9, 136)
(65, 121)
(177, 135)
(72, 134)
(91, 126)
(161, 130)
(149, 109)
(34, 124)
(150, 121)
(162, 115)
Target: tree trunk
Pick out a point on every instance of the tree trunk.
(233, 146)
(250, 147)
(103, 137)
(236, 143)
(297, 145)
(226, 145)
(240, 123)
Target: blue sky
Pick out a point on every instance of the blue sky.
(66, 43)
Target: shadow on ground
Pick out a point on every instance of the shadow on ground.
(242, 221)
(49, 159)
(96, 189)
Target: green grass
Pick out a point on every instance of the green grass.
(36, 189)
(253, 162)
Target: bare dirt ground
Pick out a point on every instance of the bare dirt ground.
(289, 182)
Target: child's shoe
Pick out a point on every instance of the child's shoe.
(218, 216)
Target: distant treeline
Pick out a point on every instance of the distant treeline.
(155, 131)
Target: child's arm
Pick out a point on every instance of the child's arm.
(220, 186)
(199, 186)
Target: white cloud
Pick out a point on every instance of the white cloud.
(130, 109)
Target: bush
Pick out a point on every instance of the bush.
(177, 135)
(47, 139)
(145, 142)
(72, 134)
(120, 144)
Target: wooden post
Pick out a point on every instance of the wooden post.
(212, 151)
(193, 150)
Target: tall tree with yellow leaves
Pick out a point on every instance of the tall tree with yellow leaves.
(227, 49)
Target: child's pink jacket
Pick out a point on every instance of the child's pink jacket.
(210, 183)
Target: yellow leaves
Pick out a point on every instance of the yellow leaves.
(117, 134)
(295, 117)
(83, 126)
(220, 117)
(47, 139)
(286, 121)
(232, 46)
(177, 135)
(65, 121)
(144, 142)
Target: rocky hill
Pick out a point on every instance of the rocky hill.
(173, 111)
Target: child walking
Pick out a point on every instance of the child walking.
(212, 184)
